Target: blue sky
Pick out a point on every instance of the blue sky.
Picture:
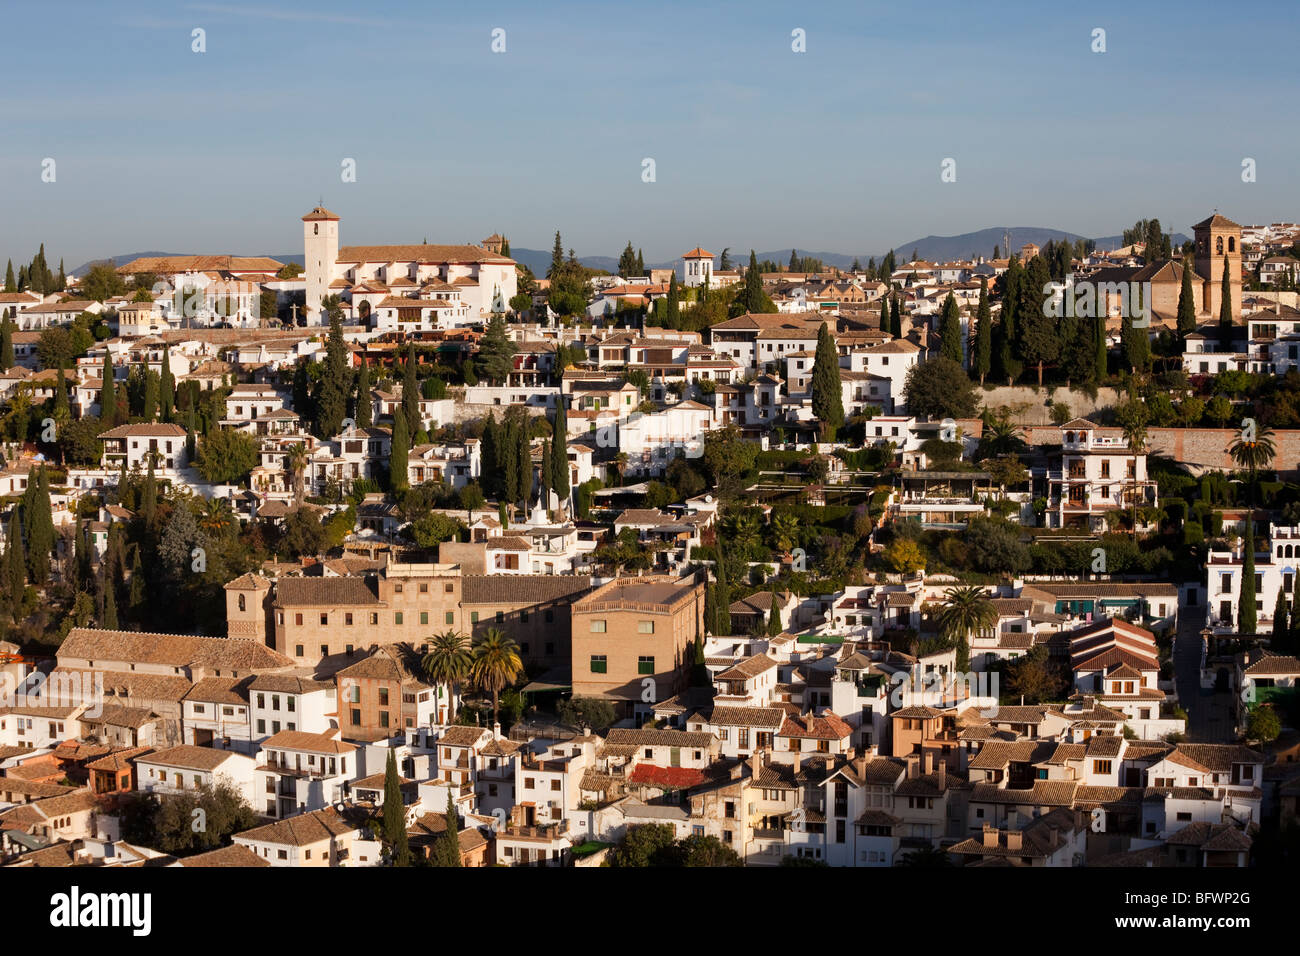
(838, 148)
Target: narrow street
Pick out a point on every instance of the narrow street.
(1209, 714)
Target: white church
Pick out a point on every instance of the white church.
(409, 288)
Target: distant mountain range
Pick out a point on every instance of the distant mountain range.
(82, 269)
(932, 248)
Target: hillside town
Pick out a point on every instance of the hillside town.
(404, 555)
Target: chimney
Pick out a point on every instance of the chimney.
(496, 729)
(1014, 839)
(756, 763)
(943, 776)
(990, 835)
(913, 766)
(798, 761)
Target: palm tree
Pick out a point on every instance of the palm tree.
(448, 661)
(620, 465)
(966, 610)
(1135, 435)
(496, 664)
(1002, 437)
(742, 528)
(295, 460)
(217, 517)
(785, 530)
(1253, 449)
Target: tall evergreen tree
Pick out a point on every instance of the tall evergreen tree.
(150, 408)
(1225, 309)
(335, 383)
(507, 458)
(394, 816)
(11, 284)
(753, 290)
(1246, 604)
(557, 257)
(109, 620)
(950, 344)
(627, 261)
(886, 325)
(560, 454)
(447, 852)
(672, 308)
(61, 411)
(1102, 358)
(827, 397)
(1281, 627)
(895, 318)
(411, 392)
(640, 263)
(524, 463)
(108, 394)
(1186, 305)
(490, 452)
(397, 459)
(983, 358)
(364, 413)
(15, 564)
(7, 343)
(40, 526)
(167, 385)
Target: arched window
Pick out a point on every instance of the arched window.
(241, 602)
(1218, 245)
(1232, 243)
(315, 229)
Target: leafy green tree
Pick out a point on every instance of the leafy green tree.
(226, 456)
(697, 850)
(940, 388)
(1263, 724)
(649, 844)
(827, 395)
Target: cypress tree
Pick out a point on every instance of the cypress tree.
(507, 455)
(394, 816)
(560, 454)
(191, 442)
(524, 463)
(886, 325)
(895, 318)
(1225, 310)
(151, 389)
(137, 587)
(108, 393)
(557, 257)
(411, 391)
(61, 394)
(640, 263)
(544, 473)
(16, 564)
(1101, 372)
(335, 383)
(1246, 611)
(753, 291)
(1186, 305)
(827, 396)
(950, 345)
(1280, 624)
(80, 560)
(983, 334)
(672, 307)
(364, 412)
(40, 528)
(110, 607)
(448, 850)
(401, 444)
(774, 616)
(11, 284)
(167, 385)
(7, 344)
(149, 499)
(489, 451)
